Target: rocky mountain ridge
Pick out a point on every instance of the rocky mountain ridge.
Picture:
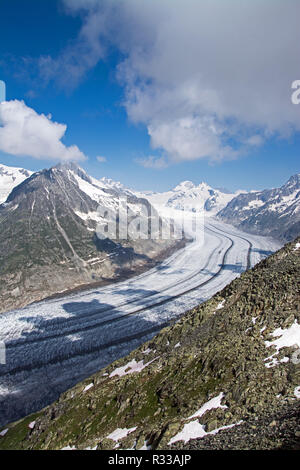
(48, 240)
(272, 212)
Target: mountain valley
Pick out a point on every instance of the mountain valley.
(226, 375)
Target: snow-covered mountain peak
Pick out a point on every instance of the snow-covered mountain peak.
(111, 184)
(184, 185)
(103, 183)
(293, 182)
(204, 186)
(10, 177)
(188, 196)
(73, 169)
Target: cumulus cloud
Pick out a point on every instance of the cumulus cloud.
(101, 159)
(24, 132)
(152, 162)
(208, 79)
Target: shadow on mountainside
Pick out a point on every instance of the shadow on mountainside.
(61, 351)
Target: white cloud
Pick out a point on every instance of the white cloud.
(81, 54)
(208, 79)
(24, 132)
(189, 138)
(255, 140)
(152, 162)
(101, 159)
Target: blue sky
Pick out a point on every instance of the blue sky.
(157, 138)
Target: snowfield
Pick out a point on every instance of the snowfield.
(51, 345)
(285, 338)
(194, 429)
(10, 178)
(187, 196)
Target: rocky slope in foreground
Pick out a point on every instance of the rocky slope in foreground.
(231, 363)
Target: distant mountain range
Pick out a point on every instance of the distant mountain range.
(191, 197)
(48, 242)
(48, 222)
(272, 212)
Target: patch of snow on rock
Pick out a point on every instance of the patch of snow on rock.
(285, 359)
(88, 387)
(192, 430)
(147, 351)
(130, 368)
(209, 405)
(4, 432)
(297, 392)
(195, 430)
(286, 338)
(220, 305)
(146, 446)
(119, 434)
